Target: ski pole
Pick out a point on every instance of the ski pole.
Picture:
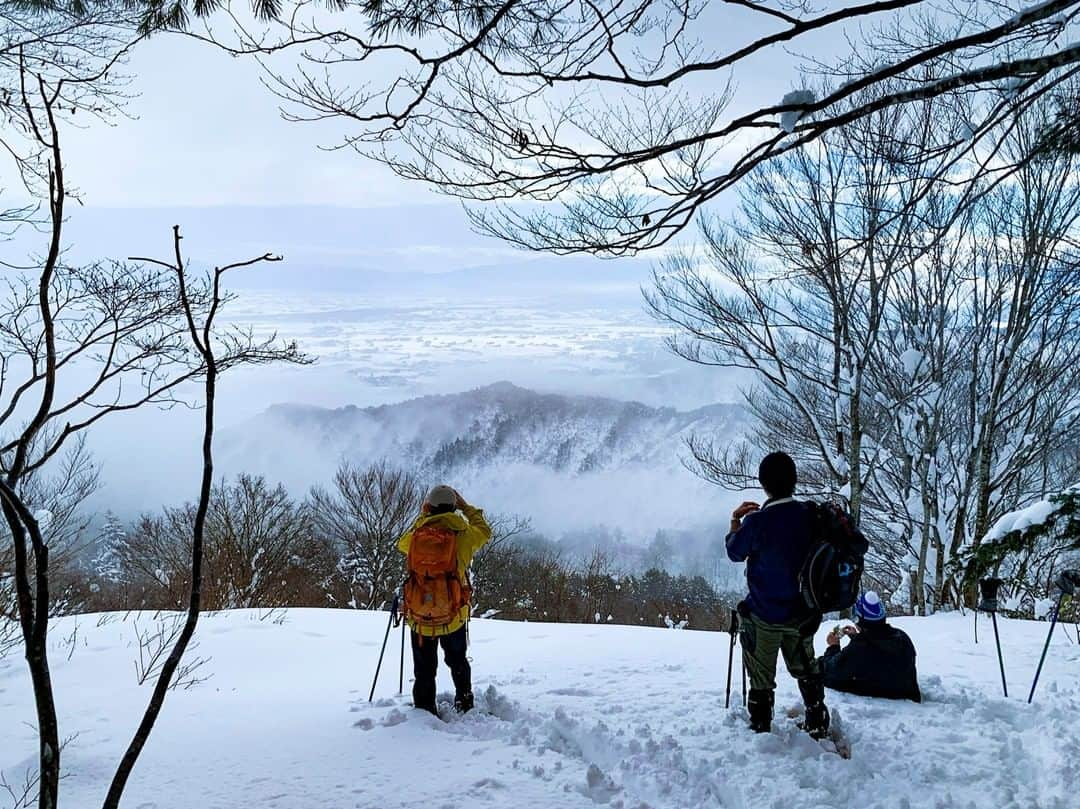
(389, 624)
(730, 659)
(1001, 660)
(1046, 646)
(976, 626)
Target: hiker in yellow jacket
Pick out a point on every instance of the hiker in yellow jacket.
(438, 550)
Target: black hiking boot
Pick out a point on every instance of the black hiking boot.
(430, 708)
(817, 721)
(463, 703)
(817, 715)
(760, 705)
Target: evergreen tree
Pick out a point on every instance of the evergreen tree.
(106, 564)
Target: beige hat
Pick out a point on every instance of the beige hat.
(441, 495)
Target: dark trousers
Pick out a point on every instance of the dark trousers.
(425, 651)
(763, 642)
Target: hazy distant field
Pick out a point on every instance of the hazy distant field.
(386, 348)
(377, 349)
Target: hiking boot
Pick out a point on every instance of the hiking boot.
(760, 705)
(463, 703)
(812, 689)
(817, 721)
(430, 708)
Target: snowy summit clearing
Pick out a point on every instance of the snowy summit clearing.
(567, 716)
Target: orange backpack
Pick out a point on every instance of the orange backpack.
(434, 593)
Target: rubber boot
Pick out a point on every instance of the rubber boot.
(760, 704)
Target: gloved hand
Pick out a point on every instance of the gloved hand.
(461, 502)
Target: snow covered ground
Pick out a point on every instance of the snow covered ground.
(572, 716)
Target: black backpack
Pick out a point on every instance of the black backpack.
(830, 576)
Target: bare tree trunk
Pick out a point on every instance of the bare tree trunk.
(34, 609)
(34, 618)
(172, 662)
(239, 350)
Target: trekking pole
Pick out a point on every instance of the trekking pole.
(401, 669)
(743, 659)
(988, 603)
(976, 626)
(1067, 582)
(389, 624)
(731, 657)
(1046, 647)
(1001, 660)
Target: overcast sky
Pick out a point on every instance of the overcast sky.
(205, 132)
(205, 147)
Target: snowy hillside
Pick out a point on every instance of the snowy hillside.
(574, 716)
(566, 461)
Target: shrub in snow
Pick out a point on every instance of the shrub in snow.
(1027, 548)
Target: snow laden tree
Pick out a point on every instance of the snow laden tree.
(624, 120)
(795, 290)
(363, 516)
(914, 343)
(988, 350)
(107, 565)
(1027, 549)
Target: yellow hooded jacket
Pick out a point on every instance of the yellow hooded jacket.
(473, 532)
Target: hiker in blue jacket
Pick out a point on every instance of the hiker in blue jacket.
(879, 661)
(774, 540)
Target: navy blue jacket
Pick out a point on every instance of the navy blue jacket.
(878, 662)
(774, 543)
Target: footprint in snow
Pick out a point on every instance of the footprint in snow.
(487, 783)
(395, 717)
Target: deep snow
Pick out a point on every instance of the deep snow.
(579, 715)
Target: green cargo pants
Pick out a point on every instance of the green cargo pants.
(763, 642)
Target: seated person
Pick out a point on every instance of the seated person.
(879, 660)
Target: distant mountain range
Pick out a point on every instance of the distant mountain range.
(498, 424)
(567, 461)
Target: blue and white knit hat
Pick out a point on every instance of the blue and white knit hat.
(869, 607)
